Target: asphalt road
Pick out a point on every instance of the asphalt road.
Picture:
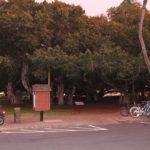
(115, 137)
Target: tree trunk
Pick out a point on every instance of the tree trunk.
(51, 95)
(49, 78)
(144, 51)
(24, 78)
(60, 92)
(133, 92)
(10, 94)
(126, 99)
(70, 96)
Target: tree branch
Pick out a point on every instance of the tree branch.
(144, 51)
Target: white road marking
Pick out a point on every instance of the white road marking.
(33, 131)
(83, 128)
(145, 122)
(93, 128)
(98, 127)
(14, 132)
(52, 130)
(59, 129)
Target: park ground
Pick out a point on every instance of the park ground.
(66, 116)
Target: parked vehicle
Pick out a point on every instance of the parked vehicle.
(2, 94)
(112, 93)
(2, 116)
(143, 109)
(80, 97)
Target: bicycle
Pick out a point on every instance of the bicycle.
(2, 116)
(140, 110)
(125, 110)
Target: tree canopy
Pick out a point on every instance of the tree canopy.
(81, 52)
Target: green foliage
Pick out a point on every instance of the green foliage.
(17, 27)
(53, 60)
(66, 19)
(59, 38)
(8, 67)
(123, 27)
(107, 66)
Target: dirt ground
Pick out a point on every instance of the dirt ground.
(94, 114)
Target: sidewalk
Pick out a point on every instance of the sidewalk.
(82, 119)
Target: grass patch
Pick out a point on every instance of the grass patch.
(59, 112)
(30, 111)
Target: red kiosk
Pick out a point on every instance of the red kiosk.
(41, 98)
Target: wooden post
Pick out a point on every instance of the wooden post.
(49, 83)
(17, 115)
(41, 115)
(49, 78)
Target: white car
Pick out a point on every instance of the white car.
(112, 93)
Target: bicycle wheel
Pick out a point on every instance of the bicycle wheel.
(124, 111)
(148, 114)
(135, 111)
(1, 121)
(147, 110)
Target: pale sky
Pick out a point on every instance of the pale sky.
(95, 7)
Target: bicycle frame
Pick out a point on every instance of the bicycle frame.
(137, 111)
